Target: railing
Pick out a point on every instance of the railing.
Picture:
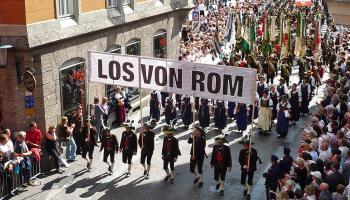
(12, 183)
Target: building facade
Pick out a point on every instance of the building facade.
(51, 39)
(339, 9)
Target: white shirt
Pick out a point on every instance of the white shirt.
(4, 148)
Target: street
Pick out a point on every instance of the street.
(76, 182)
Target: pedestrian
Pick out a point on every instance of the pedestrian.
(274, 96)
(241, 116)
(204, 114)
(89, 134)
(128, 145)
(272, 176)
(295, 102)
(221, 161)
(146, 143)
(287, 161)
(282, 117)
(335, 178)
(305, 91)
(65, 133)
(77, 131)
(110, 146)
(52, 150)
(265, 110)
(99, 114)
(248, 157)
(154, 105)
(324, 193)
(220, 116)
(22, 151)
(197, 154)
(170, 152)
(186, 110)
(169, 111)
(33, 140)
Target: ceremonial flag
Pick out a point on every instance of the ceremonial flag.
(266, 46)
(238, 30)
(252, 33)
(300, 50)
(316, 46)
(273, 30)
(246, 36)
(285, 39)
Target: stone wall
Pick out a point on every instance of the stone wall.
(51, 57)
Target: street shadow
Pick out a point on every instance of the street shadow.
(85, 182)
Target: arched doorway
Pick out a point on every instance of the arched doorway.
(72, 86)
(160, 44)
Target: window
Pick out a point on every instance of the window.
(112, 3)
(133, 47)
(66, 8)
(159, 44)
(72, 83)
(127, 2)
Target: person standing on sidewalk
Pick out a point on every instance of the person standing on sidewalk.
(146, 143)
(65, 133)
(170, 152)
(221, 161)
(248, 166)
(110, 146)
(99, 113)
(52, 150)
(197, 154)
(89, 134)
(128, 145)
(33, 140)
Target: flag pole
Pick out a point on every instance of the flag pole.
(141, 114)
(193, 122)
(251, 129)
(87, 85)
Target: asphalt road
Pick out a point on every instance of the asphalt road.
(77, 183)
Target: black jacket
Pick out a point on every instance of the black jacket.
(131, 146)
(148, 141)
(286, 164)
(93, 132)
(226, 155)
(171, 147)
(243, 159)
(273, 175)
(199, 148)
(333, 180)
(112, 139)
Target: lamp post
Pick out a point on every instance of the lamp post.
(3, 54)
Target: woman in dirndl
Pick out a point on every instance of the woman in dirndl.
(241, 116)
(282, 117)
(265, 109)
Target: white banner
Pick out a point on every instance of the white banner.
(200, 80)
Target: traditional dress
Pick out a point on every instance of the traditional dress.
(305, 91)
(282, 119)
(231, 109)
(282, 89)
(294, 100)
(128, 145)
(197, 158)
(146, 143)
(154, 105)
(88, 144)
(261, 87)
(241, 117)
(110, 146)
(204, 114)
(170, 152)
(221, 160)
(274, 97)
(245, 171)
(186, 110)
(220, 117)
(265, 107)
(169, 111)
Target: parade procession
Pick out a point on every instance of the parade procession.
(237, 100)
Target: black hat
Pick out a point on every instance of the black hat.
(148, 125)
(247, 142)
(106, 130)
(129, 124)
(274, 158)
(286, 151)
(169, 130)
(221, 139)
(200, 130)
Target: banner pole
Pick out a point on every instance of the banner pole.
(193, 124)
(251, 136)
(141, 114)
(87, 85)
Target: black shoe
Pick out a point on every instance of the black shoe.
(109, 168)
(217, 186)
(200, 184)
(221, 192)
(248, 197)
(144, 172)
(166, 178)
(245, 193)
(278, 136)
(195, 180)
(171, 181)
